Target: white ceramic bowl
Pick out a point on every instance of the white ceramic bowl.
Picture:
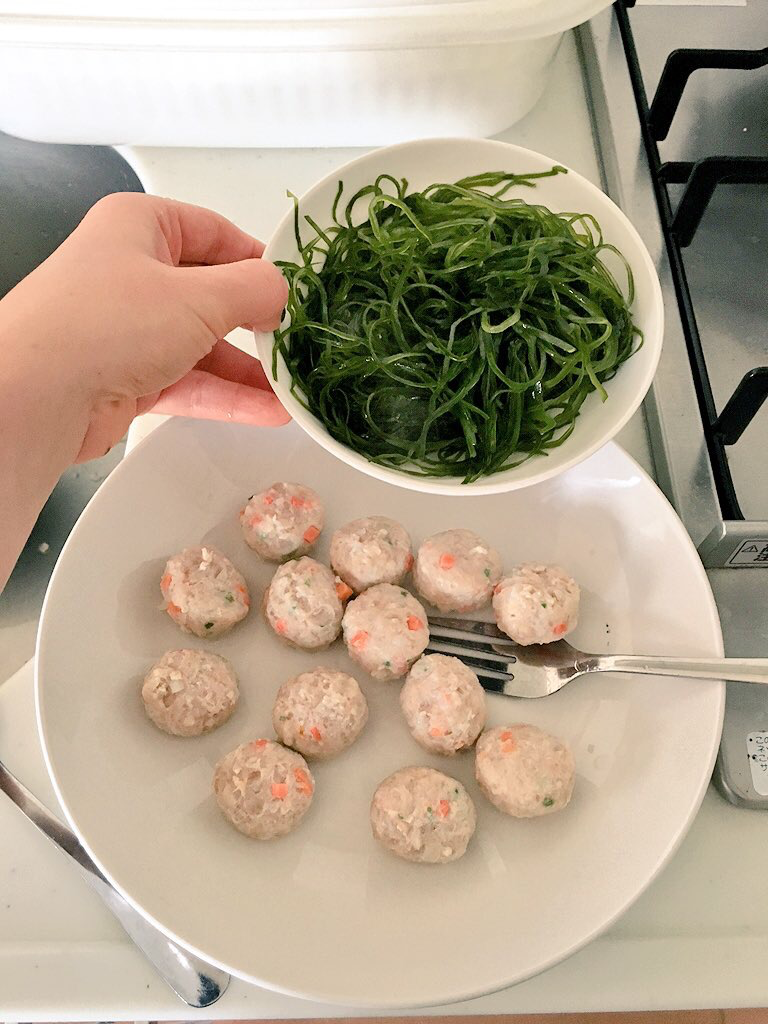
(430, 160)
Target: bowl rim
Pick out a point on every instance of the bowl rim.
(500, 483)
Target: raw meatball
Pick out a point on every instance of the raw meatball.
(370, 551)
(283, 521)
(536, 604)
(263, 789)
(385, 630)
(205, 593)
(187, 693)
(301, 604)
(524, 771)
(443, 704)
(319, 713)
(423, 815)
(456, 571)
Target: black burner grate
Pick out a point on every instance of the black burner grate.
(700, 179)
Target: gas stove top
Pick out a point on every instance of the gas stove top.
(686, 106)
(705, 132)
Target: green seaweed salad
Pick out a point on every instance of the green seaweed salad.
(456, 331)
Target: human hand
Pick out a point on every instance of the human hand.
(129, 313)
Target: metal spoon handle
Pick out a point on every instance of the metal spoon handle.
(195, 982)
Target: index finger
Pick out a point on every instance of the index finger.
(231, 363)
(196, 235)
(176, 233)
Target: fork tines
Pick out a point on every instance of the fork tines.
(473, 642)
(466, 629)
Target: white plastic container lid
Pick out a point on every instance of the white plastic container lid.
(291, 24)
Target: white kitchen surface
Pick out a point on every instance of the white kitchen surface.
(697, 938)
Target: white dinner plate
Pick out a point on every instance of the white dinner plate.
(326, 913)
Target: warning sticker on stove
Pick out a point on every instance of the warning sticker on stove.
(750, 552)
(757, 752)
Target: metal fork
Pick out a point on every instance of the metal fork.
(195, 982)
(539, 670)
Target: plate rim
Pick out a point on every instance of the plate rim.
(612, 449)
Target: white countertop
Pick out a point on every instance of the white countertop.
(698, 937)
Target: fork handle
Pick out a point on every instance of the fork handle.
(743, 670)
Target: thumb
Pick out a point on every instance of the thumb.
(226, 296)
